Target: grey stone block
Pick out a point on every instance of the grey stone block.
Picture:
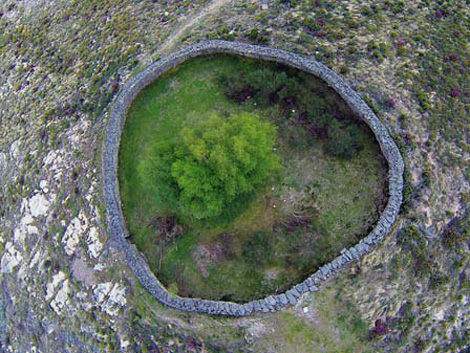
(313, 289)
(290, 298)
(271, 300)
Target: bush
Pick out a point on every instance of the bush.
(457, 230)
(258, 37)
(423, 100)
(212, 165)
(344, 142)
(258, 248)
(411, 239)
(268, 86)
(306, 107)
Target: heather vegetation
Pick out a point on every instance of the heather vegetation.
(239, 178)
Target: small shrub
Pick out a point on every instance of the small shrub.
(405, 320)
(257, 36)
(458, 229)
(400, 42)
(398, 7)
(411, 239)
(439, 14)
(455, 92)
(366, 11)
(344, 142)
(401, 51)
(344, 70)
(380, 328)
(423, 100)
(437, 280)
(258, 248)
(390, 102)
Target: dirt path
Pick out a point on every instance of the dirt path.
(212, 8)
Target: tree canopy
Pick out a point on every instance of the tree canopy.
(212, 164)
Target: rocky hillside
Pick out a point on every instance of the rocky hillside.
(64, 286)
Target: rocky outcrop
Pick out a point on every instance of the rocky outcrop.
(137, 262)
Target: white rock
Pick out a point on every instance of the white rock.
(56, 279)
(33, 230)
(101, 291)
(43, 185)
(38, 205)
(124, 344)
(27, 219)
(117, 299)
(25, 228)
(99, 267)
(15, 150)
(52, 158)
(118, 295)
(111, 297)
(11, 258)
(55, 163)
(76, 134)
(84, 300)
(38, 256)
(94, 244)
(75, 230)
(91, 190)
(62, 297)
(19, 234)
(3, 163)
(305, 309)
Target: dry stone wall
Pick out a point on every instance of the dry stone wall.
(116, 224)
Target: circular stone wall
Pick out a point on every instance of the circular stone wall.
(115, 218)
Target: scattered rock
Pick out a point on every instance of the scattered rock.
(11, 258)
(74, 232)
(15, 151)
(56, 279)
(38, 205)
(62, 297)
(93, 242)
(43, 185)
(110, 297)
(99, 267)
(3, 164)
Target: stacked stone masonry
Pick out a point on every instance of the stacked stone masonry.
(116, 223)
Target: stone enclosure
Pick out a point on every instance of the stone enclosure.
(116, 224)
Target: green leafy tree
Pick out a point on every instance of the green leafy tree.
(213, 164)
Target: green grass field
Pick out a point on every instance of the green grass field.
(319, 205)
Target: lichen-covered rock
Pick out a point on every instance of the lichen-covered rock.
(94, 245)
(52, 286)
(61, 299)
(11, 258)
(74, 232)
(3, 164)
(38, 205)
(111, 297)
